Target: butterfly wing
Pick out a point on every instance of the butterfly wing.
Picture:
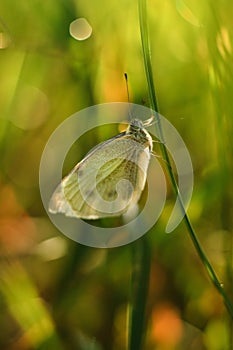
(107, 182)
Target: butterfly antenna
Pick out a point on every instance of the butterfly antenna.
(127, 89)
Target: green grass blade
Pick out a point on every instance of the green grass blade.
(154, 105)
(27, 308)
(140, 282)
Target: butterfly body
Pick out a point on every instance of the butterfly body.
(110, 178)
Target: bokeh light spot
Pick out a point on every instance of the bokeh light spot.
(31, 108)
(80, 29)
(51, 249)
(167, 327)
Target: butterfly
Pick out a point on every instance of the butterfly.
(110, 179)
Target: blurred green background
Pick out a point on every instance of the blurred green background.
(55, 293)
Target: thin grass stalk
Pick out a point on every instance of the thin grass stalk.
(154, 105)
(140, 281)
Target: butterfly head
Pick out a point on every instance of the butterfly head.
(139, 133)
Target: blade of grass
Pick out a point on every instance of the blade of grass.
(154, 105)
(221, 84)
(140, 282)
(27, 308)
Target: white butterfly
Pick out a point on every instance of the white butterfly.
(109, 180)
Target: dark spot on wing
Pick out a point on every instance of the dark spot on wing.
(112, 193)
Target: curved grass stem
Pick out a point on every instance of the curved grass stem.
(154, 105)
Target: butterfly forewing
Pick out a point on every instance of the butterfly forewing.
(98, 177)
